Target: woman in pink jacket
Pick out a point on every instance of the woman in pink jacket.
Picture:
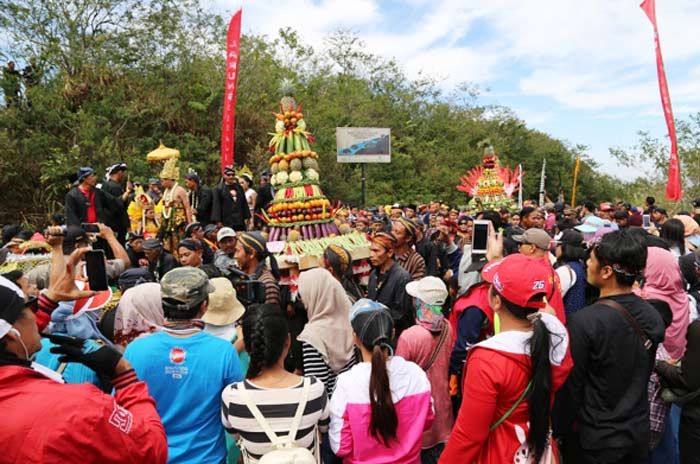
(382, 406)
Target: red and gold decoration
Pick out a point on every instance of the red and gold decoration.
(490, 186)
(299, 204)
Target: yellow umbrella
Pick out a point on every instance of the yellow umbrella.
(163, 153)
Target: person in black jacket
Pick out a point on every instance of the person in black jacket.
(685, 377)
(602, 412)
(230, 208)
(201, 198)
(85, 202)
(430, 252)
(116, 217)
(134, 248)
(387, 282)
(690, 267)
(160, 260)
(264, 197)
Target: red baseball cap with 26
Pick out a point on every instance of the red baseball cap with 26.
(522, 280)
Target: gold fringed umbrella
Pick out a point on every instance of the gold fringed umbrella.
(163, 153)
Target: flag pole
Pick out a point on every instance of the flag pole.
(542, 179)
(674, 189)
(573, 189)
(520, 186)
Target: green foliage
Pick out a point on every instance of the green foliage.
(653, 152)
(115, 77)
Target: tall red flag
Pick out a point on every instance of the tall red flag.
(228, 122)
(673, 185)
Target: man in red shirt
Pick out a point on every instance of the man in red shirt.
(85, 202)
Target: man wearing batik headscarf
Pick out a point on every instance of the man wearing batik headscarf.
(387, 282)
(251, 254)
(405, 232)
(230, 207)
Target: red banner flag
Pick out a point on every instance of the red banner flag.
(228, 122)
(673, 186)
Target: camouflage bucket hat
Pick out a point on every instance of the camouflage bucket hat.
(186, 285)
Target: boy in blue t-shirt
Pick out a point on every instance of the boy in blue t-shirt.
(186, 369)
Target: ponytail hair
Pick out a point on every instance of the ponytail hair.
(384, 421)
(373, 325)
(539, 398)
(265, 329)
(540, 395)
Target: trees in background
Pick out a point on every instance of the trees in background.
(653, 152)
(112, 78)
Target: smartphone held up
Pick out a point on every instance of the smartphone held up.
(480, 237)
(96, 270)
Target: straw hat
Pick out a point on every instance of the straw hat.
(224, 308)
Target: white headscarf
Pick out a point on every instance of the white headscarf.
(328, 308)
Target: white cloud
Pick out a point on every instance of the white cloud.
(311, 19)
(594, 56)
(597, 54)
(588, 54)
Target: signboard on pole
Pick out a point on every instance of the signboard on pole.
(363, 144)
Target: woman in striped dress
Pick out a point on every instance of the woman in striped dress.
(273, 390)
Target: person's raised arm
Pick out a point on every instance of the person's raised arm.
(63, 288)
(55, 236)
(116, 247)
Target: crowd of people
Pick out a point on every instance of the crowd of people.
(571, 337)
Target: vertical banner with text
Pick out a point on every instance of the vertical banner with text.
(228, 121)
(673, 185)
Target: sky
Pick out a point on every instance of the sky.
(583, 71)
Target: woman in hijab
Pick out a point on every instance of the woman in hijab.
(327, 344)
(663, 281)
(139, 313)
(338, 261)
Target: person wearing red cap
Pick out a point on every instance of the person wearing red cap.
(511, 377)
(535, 243)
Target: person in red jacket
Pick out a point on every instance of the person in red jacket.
(511, 377)
(48, 421)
